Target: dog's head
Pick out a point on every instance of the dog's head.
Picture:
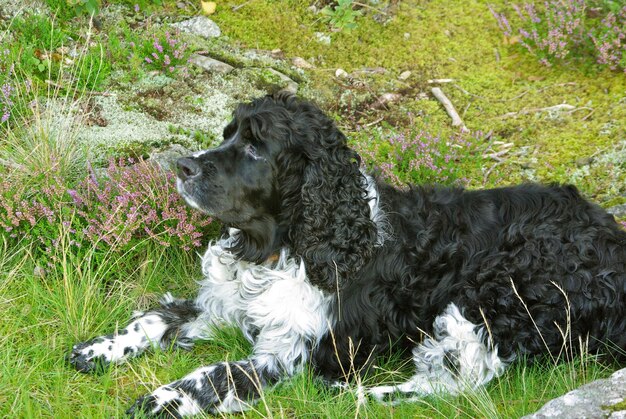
(284, 176)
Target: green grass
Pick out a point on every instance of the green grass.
(44, 315)
(79, 297)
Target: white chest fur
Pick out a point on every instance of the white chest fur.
(273, 303)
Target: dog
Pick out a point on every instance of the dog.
(325, 266)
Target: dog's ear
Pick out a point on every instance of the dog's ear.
(332, 229)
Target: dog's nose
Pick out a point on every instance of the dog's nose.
(187, 168)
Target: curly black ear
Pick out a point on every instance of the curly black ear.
(331, 229)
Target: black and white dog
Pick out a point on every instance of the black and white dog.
(321, 264)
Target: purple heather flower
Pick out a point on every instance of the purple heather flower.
(157, 45)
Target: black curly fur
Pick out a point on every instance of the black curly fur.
(315, 202)
(522, 259)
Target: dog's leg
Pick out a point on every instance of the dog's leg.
(454, 359)
(218, 388)
(288, 318)
(229, 387)
(175, 321)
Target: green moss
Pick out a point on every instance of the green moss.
(492, 80)
(621, 406)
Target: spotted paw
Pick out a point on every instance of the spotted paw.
(164, 402)
(90, 356)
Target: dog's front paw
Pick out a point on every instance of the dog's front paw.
(165, 402)
(91, 356)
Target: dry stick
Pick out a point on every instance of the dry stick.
(488, 172)
(525, 92)
(443, 99)
(239, 6)
(439, 81)
(560, 107)
(374, 122)
(367, 6)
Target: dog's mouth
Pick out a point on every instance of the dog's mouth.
(181, 187)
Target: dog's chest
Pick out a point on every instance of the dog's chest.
(270, 298)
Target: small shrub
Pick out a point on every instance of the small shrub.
(166, 53)
(7, 91)
(342, 16)
(135, 202)
(114, 212)
(418, 157)
(556, 31)
(609, 40)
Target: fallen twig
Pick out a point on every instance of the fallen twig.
(373, 122)
(239, 6)
(449, 107)
(555, 108)
(525, 92)
(440, 81)
(583, 108)
(367, 6)
(488, 172)
(497, 156)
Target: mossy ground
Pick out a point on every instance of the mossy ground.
(458, 40)
(44, 315)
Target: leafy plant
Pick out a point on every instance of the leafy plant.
(89, 7)
(165, 52)
(204, 139)
(342, 16)
(68, 9)
(559, 30)
(135, 201)
(418, 157)
(609, 40)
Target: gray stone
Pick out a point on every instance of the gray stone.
(300, 62)
(166, 158)
(128, 131)
(10, 9)
(201, 26)
(322, 38)
(617, 210)
(287, 84)
(210, 64)
(593, 400)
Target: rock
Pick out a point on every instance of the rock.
(584, 161)
(322, 38)
(199, 25)
(299, 62)
(593, 400)
(618, 211)
(210, 65)
(340, 73)
(10, 9)
(385, 99)
(166, 158)
(208, 7)
(288, 84)
(128, 132)
(404, 75)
